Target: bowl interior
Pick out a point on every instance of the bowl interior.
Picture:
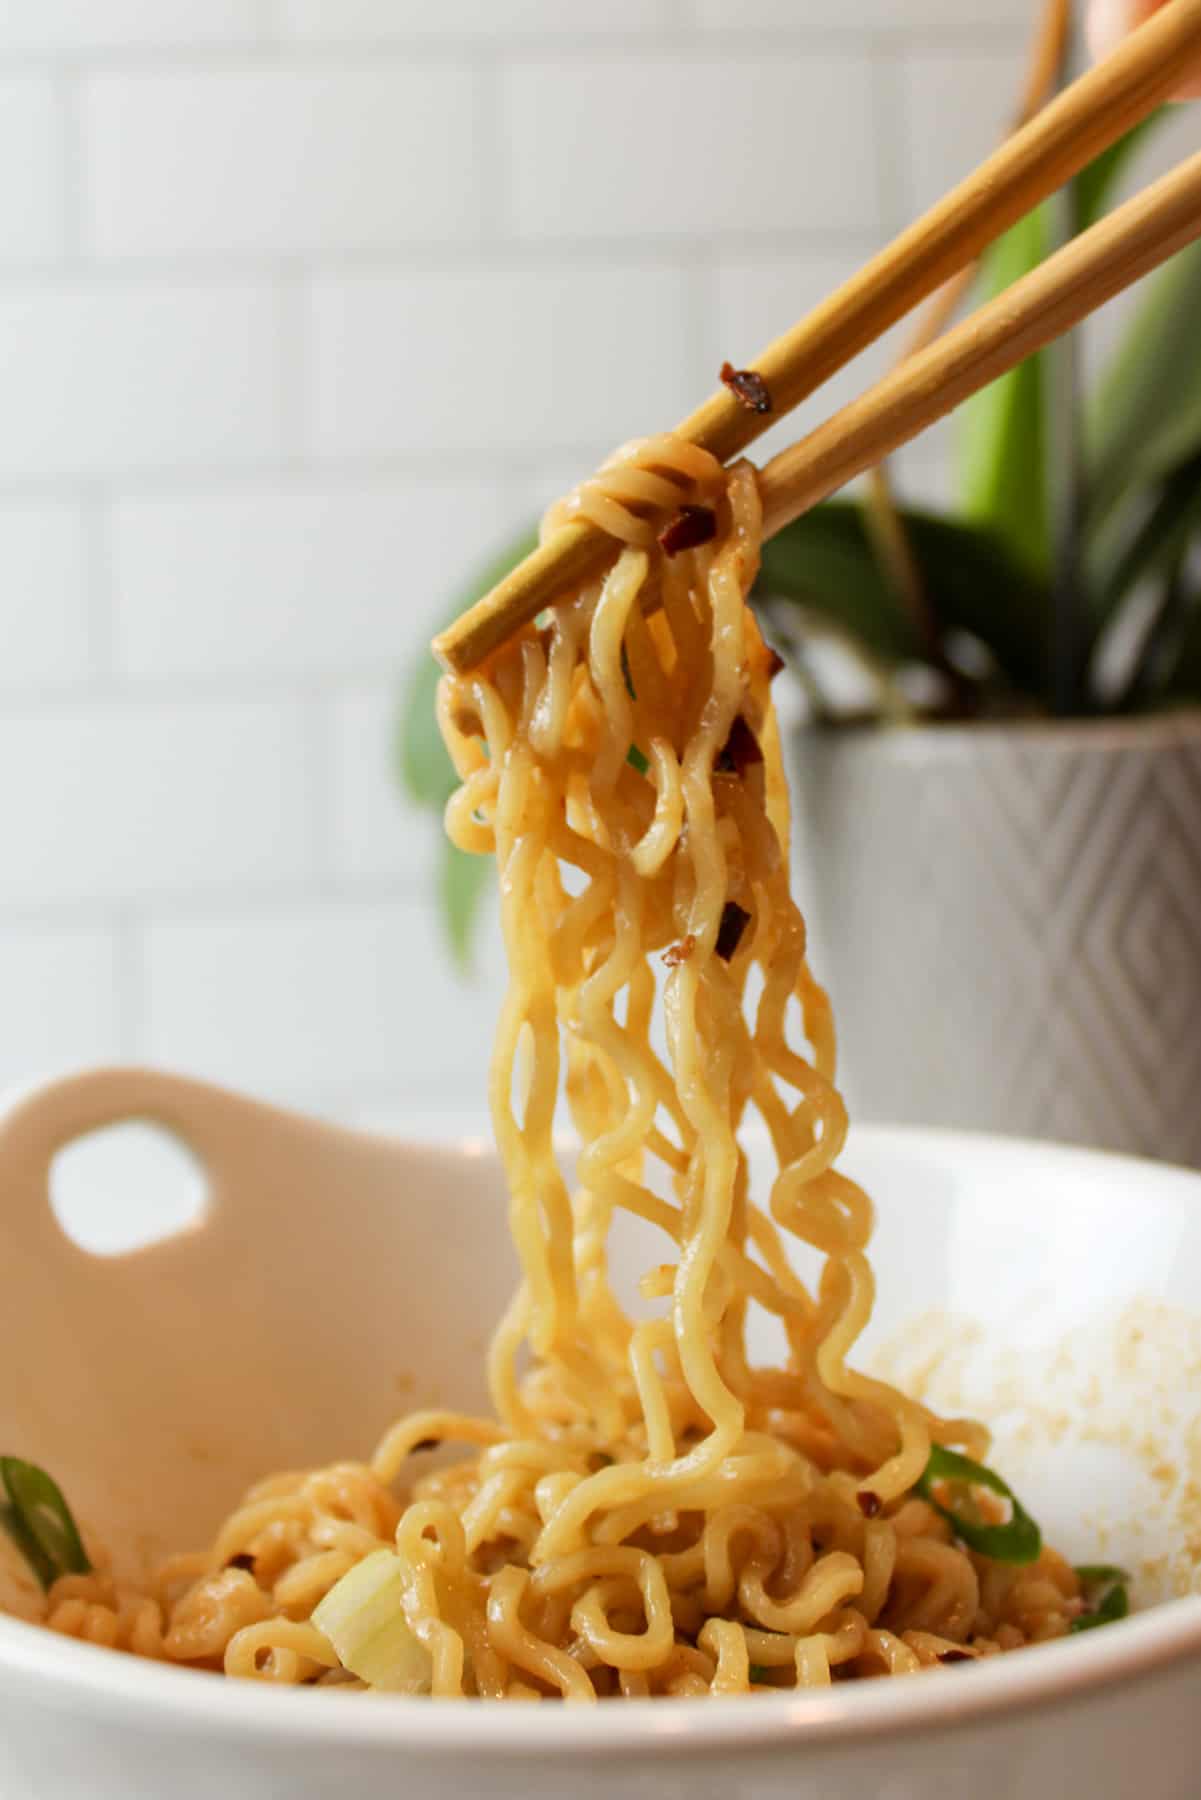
(339, 1281)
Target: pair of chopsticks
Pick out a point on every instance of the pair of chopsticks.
(1053, 147)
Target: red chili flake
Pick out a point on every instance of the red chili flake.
(775, 662)
(426, 1444)
(692, 525)
(734, 921)
(954, 1656)
(869, 1503)
(740, 751)
(749, 386)
(679, 952)
(243, 1560)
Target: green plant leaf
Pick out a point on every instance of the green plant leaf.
(1183, 685)
(1002, 430)
(1095, 185)
(1156, 552)
(975, 583)
(1002, 440)
(1145, 415)
(825, 562)
(425, 768)
(1160, 538)
(462, 880)
(427, 772)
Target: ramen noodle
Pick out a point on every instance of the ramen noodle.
(649, 1512)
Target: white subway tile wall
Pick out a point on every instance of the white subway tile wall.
(495, 360)
(33, 206)
(303, 305)
(726, 143)
(143, 375)
(271, 162)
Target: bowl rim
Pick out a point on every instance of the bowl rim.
(95, 1682)
(66, 1675)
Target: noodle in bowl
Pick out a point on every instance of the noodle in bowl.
(698, 1473)
(988, 1233)
(645, 1510)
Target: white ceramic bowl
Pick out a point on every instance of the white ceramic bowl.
(332, 1270)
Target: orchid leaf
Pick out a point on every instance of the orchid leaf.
(1095, 185)
(826, 563)
(1145, 417)
(425, 768)
(1002, 430)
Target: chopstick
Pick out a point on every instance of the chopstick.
(1089, 270)
(1055, 145)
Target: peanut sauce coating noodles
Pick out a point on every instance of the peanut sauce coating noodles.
(649, 1513)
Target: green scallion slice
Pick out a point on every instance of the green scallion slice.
(1018, 1540)
(39, 1521)
(1105, 1595)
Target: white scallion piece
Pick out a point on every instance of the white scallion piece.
(363, 1618)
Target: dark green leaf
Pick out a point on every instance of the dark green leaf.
(975, 584)
(825, 562)
(1017, 1541)
(39, 1521)
(1002, 429)
(1105, 1596)
(1157, 553)
(462, 879)
(424, 765)
(1183, 684)
(1145, 416)
(1159, 539)
(425, 768)
(1095, 185)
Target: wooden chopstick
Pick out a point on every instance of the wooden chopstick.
(1089, 270)
(1056, 144)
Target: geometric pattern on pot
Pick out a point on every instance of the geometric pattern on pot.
(1009, 924)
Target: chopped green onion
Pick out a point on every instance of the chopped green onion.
(39, 1521)
(634, 756)
(1019, 1540)
(758, 1672)
(363, 1618)
(1105, 1595)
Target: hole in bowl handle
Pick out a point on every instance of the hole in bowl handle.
(36, 1123)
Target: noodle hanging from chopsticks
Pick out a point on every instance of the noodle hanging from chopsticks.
(650, 1513)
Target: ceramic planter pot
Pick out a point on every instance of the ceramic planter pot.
(1008, 919)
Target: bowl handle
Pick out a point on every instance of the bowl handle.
(226, 1132)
